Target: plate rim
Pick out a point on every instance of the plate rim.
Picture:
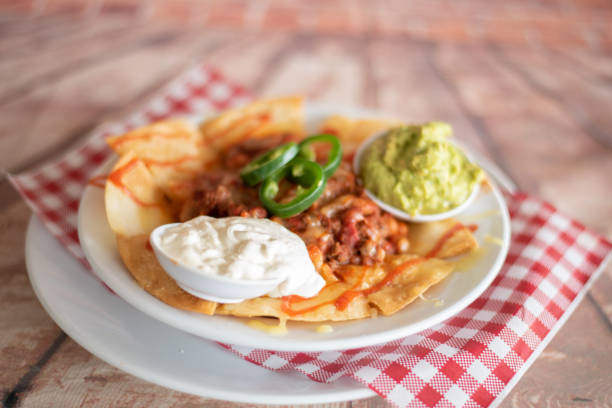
(36, 226)
(333, 344)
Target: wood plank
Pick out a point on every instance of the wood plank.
(601, 294)
(568, 88)
(250, 59)
(27, 331)
(326, 72)
(599, 64)
(582, 192)
(63, 57)
(26, 32)
(72, 105)
(74, 377)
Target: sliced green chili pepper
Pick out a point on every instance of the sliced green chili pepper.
(269, 162)
(335, 153)
(307, 174)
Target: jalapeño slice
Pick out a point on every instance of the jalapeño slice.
(269, 162)
(335, 153)
(310, 179)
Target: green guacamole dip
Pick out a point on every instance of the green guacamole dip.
(415, 169)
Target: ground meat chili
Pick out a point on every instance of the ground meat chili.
(241, 154)
(343, 224)
(221, 193)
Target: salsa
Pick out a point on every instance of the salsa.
(416, 169)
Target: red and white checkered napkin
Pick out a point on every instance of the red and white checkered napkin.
(472, 359)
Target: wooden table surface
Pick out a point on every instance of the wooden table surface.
(528, 83)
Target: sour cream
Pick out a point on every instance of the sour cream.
(243, 249)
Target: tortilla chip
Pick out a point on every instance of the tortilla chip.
(352, 132)
(266, 117)
(361, 276)
(164, 140)
(403, 289)
(142, 264)
(134, 202)
(409, 284)
(424, 236)
(320, 307)
(173, 150)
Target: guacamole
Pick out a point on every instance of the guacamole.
(416, 169)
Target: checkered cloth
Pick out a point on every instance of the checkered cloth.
(472, 359)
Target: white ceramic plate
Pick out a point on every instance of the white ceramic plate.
(122, 336)
(457, 291)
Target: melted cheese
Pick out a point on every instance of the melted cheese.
(437, 302)
(324, 328)
(494, 240)
(276, 330)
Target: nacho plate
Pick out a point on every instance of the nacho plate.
(456, 291)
